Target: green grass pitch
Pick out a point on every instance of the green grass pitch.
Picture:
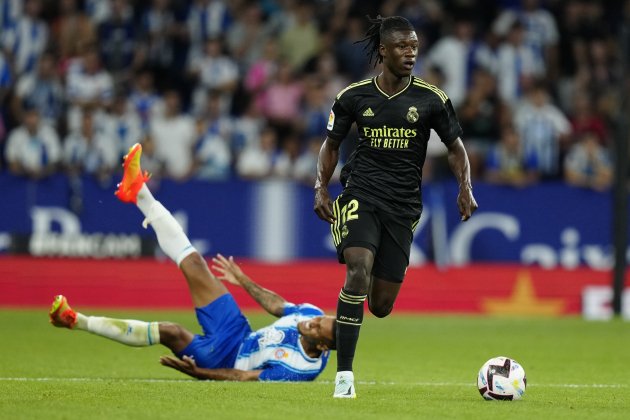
(407, 366)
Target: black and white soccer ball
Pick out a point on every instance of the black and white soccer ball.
(501, 378)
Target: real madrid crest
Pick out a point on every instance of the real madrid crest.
(412, 114)
(344, 231)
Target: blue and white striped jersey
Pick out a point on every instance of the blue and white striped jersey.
(277, 349)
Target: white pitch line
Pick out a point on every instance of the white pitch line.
(436, 384)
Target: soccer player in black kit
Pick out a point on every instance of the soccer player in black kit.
(373, 219)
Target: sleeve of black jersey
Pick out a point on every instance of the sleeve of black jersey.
(445, 123)
(339, 121)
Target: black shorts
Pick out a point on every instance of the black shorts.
(389, 237)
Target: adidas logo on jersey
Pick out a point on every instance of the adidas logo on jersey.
(368, 113)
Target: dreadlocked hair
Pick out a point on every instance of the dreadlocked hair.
(378, 29)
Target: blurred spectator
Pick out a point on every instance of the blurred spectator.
(588, 164)
(160, 29)
(453, 54)
(90, 150)
(87, 85)
(541, 31)
(150, 161)
(352, 61)
(508, 163)
(480, 116)
(121, 125)
(174, 136)
(26, 40)
(213, 151)
(248, 35)
(257, 161)
(327, 75)
(282, 101)
(33, 148)
(72, 29)
(247, 128)
(143, 99)
(584, 119)
(262, 72)
(543, 128)
(316, 109)
(215, 71)
(300, 40)
(285, 160)
(306, 165)
(10, 12)
(518, 65)
(5, 86)
(99, 10)
(117, 40)
(43, 90)
(206, 19)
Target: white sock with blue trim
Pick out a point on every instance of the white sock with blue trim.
(126, 331)
(170, 234)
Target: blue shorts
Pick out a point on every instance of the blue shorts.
(224, 329)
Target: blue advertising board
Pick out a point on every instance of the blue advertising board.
(550, 224)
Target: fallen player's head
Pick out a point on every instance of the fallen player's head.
(320, 332)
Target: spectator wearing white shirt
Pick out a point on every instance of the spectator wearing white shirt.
(26, 39)
(285, 161)
(42, 89)
(87, 85)
(90, 150)
(121, 125)
(543, 128)
(33, 148)
(206, 19)
(144, 101)
(541, 31)
(454, 55)
(213, 155)
(518, 66)
(174, 135)
(10, 12)
(257, 161)
(214, 71)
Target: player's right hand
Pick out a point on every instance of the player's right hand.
(229, 271)
(323, 205)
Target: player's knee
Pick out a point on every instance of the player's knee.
(380, 310)
(194, 262)
(358, 277)
(171, 333)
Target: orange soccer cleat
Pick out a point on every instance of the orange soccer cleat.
(133, 177)
(61, 314)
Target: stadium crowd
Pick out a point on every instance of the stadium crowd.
(216, 89)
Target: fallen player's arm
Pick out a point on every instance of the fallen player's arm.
(188, 366)
(232, 273)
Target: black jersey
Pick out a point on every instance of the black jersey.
(385, 169)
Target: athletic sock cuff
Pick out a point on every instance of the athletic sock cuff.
(351, 298)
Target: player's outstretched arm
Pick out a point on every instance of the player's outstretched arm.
(229, 271)
(188, 366)
(326, 163)
(458, 161)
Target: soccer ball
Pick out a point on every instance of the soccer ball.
(501, 378)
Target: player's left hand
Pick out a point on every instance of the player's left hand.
(466, 202)
(185, 365)
(229, 271)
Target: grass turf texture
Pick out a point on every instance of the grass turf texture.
(407, 367)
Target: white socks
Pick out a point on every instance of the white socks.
(126, 331)
(169, 233)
